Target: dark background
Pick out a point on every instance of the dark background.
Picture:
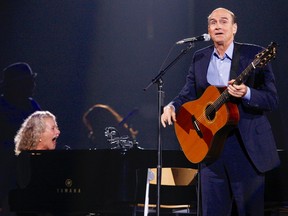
(106, 51)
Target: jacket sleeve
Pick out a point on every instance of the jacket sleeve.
(264, 96)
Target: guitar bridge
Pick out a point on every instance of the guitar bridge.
(196, 126)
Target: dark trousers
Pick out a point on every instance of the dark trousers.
(232, 178)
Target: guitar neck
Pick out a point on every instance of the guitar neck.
(245, 74)
(223, 98)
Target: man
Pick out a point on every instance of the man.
(237, 175)
(16, 104)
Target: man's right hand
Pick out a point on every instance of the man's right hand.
(168, 116)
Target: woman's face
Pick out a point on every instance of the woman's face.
(48, 138)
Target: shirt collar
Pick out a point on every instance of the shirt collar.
(228, 53)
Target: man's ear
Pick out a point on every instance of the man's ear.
(234, 28)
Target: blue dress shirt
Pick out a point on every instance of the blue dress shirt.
(219, 69)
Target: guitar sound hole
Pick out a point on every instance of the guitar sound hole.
(210, 112)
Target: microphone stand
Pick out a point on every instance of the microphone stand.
(158, 79)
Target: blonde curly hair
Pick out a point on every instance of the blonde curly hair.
(28, 136)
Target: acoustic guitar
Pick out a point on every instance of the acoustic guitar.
(202, 125)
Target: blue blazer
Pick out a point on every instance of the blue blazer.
(253, 125)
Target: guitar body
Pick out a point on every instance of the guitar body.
(202, 132)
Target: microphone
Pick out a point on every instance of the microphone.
(203, 37)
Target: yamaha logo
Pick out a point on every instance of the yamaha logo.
(69, 189)
(68, 183)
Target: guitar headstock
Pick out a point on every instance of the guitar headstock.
(266, 55)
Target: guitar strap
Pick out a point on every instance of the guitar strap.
(235, 61)
(235, 68)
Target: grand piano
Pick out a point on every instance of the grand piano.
(79, 182)
(64, 182)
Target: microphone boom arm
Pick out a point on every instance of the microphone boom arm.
(162, 72)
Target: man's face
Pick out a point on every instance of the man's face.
(21, 89)
(221, 27)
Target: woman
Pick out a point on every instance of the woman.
(38, 132)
